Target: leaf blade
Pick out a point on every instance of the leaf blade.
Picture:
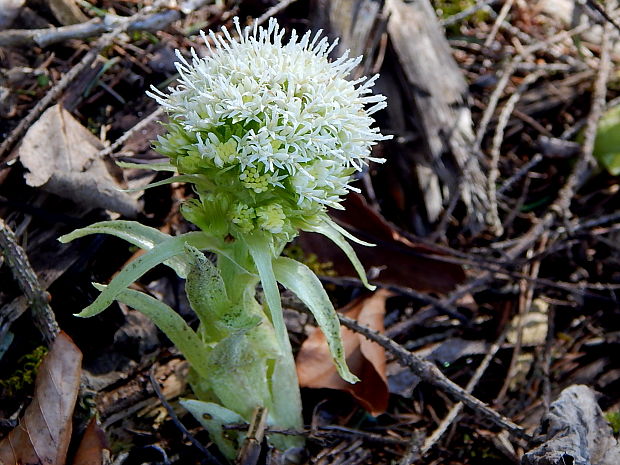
(337, 238)
(134, 270)
(260, 250)
(133, 232)
(171, 324)
(299, 279)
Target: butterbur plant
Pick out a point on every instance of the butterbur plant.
(269, 132)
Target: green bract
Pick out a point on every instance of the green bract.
(269, 132)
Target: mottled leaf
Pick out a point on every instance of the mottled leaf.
(213, 417)
(133, 232)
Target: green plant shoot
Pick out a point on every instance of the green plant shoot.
(269, 133)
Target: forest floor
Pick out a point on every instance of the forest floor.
(501, 303)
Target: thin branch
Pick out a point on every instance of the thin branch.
(28, 282)
(173, 416)
(95, 27)
(503, 13)
(508, 71)
(525, 169)
(154, 116)
(429, 373)
(59, 88)
(560, 207)
(504, 116)
(600, 10)
(456, 409)
(274, 10)
(525, 303)
(548, 357)
(586, 161)
(405, 291)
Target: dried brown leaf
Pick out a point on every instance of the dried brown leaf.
(44, 432)
(401, 261)
(366, 359)
(9, 11)
(61, 157)
(93, 446)
(67, 11)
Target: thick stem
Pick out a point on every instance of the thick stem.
(264, 367)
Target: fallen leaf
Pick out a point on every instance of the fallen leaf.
(366, 359)
(9, 11)
(93, 447)
(400, 261)
(67, 12)
(61, 157)
(534, 327)
(44, 432)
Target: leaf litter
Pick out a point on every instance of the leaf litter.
(570, 342)
(44, 431)
(366, 359)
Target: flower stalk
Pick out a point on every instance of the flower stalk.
(269, 133)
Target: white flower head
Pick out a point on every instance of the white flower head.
(271, 121)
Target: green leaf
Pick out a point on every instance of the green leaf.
(328, 230)
(238, 370)
(213, 417)
(191, 178)
(259, 246)
(165, 166)
(134, 233)
(607, 142)
(171, 324)
(206, 283)
(134, 270)
(346, 233)
(206, 293)
(300, 279)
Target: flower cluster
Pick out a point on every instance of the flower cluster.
(274, 125)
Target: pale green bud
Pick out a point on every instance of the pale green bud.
(271, 218)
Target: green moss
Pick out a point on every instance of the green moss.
(310, 260)
(23, 377)
(447, 8)
(614, 420)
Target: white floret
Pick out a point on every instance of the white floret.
(300, 118)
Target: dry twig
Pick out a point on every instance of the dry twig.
(525, 303)
(173, 416)
(429, 373)
(28, 282)
(86, 61)
(498, 21)
(493, 218)
(560, 207)
(415, 452)
(96, 27)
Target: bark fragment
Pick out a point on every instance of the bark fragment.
(575, 432)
